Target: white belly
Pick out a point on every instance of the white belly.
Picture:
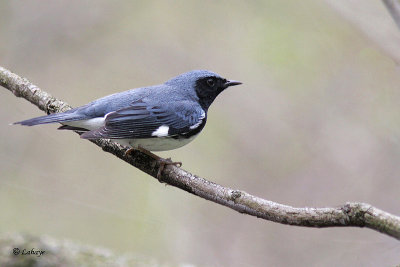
(156, 144)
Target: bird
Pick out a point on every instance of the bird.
(154, 118)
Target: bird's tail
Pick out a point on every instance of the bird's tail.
(52, 118)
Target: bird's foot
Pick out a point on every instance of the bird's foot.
(160, 161)
(129, 151)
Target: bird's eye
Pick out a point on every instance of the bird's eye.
(210, 82)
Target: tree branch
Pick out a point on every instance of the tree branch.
(393, 6)
(350, 214)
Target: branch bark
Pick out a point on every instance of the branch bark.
(349, 214)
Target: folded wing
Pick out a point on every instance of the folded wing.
(144, 120)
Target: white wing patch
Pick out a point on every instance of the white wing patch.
(161, 131)
(202, 116)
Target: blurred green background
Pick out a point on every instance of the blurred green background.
(315, 123)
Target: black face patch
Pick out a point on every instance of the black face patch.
(208, 88)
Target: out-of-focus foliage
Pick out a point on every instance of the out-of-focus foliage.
(315, 123)
(26, 251)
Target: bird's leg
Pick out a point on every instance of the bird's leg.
(161, 161)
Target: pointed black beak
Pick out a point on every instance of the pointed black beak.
(231, 83)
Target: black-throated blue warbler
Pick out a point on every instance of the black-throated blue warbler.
(154, 118)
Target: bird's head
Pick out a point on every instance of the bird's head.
(206, 84)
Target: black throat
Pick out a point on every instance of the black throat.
(189, 132)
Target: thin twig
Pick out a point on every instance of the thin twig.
(350, 214)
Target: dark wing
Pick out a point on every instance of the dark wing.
(142, 120)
